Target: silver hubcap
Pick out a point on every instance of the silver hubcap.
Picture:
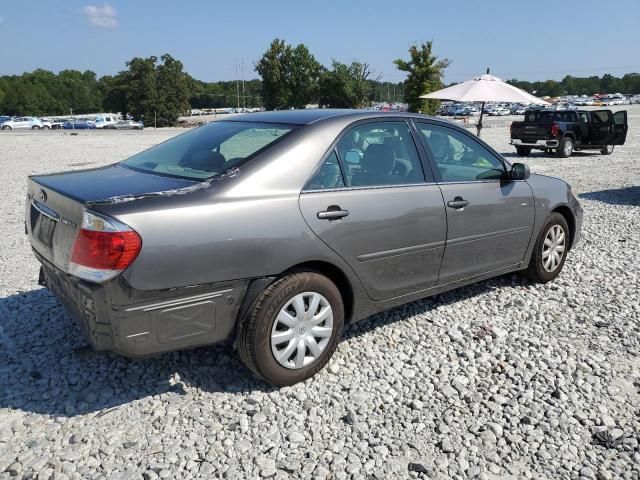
(302, 330)
(553, 248)
(568, 147)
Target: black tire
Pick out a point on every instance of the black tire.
(254, 342)
(565, 149)
(607, 150)
(6, 127)
(35, 127)
(536, 270)
(523, 151)
(47, 127)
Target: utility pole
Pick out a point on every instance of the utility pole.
(244, 98)
(237, 86)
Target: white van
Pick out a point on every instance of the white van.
(104, 120)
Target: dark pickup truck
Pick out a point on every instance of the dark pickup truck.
(566, 131)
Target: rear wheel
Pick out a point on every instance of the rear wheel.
(523, 151)
(565, 149)
(47, 127)
(550, 250)
(35, 127)
(293, 328)
(607, 150)
(6, 127)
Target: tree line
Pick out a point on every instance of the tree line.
(628, 84)
(158, 90)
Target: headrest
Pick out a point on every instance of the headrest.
(379, 158)
(207, 161)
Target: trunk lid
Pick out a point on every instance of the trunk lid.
(55, 203)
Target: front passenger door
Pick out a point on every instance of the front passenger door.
(601, 127)
(489, 219)
(620, 128)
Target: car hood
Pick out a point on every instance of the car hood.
(111, 184)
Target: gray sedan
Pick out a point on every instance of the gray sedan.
(271, 231)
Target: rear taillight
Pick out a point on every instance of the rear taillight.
(103, 248)
(554, 130)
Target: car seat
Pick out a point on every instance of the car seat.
(377, 164)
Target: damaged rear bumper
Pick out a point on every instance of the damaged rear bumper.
(115, 317)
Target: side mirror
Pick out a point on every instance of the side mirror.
(519, 171)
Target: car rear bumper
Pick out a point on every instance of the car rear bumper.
(534, 143)
(115, 317)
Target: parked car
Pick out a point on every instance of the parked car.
(46, 124)
(103, 121)
(569, 130)
(22, 123)
(58, 123)
(272, 230)
(79, 124)
(499, 111)
(126, 125)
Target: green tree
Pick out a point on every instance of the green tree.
(425, 72)
(142, 92)
(289, 76)
(302, 75)
(173, 91)
(114, 93)
(273, 68)
(345, 86)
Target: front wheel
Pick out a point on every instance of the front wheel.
(523, 151)
(6, 127)
(607, 150)
(565, 149)
(293, 328)
(550, 250)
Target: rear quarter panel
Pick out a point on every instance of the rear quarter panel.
(242, 226)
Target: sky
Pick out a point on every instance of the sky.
(524, 40)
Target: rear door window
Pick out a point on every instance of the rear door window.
(380, 154)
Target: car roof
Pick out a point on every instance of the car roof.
(307, 117)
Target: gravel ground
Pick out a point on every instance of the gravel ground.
(502, 379)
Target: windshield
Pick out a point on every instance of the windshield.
(209, 150)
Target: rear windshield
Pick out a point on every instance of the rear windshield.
(550, 117)
(209, 150)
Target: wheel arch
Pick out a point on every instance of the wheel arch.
(566, 212)
(336, 275)
(257, 285)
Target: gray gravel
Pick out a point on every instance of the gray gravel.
(503, 379)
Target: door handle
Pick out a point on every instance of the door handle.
(334, 212)
(457, 203)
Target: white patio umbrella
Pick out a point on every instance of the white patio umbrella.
(485, 88)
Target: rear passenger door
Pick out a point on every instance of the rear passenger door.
(489, 218)
(372, 204)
